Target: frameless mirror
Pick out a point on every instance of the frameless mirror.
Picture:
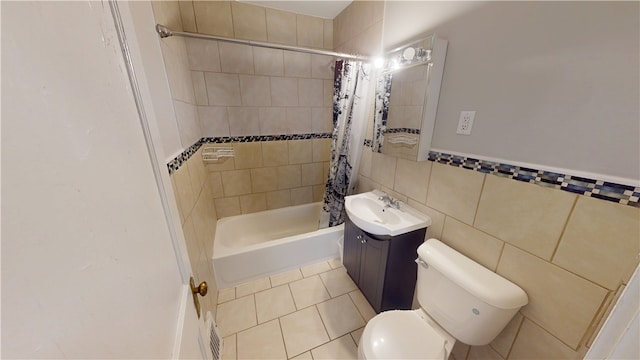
(407, 93)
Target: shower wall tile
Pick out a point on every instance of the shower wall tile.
(236, 58)
(289, 176)
(214, 17)
(278, 199)
(284, 92)
(228, 206)
(236, 182)
(387, 176)
(321, 67)
(223, 89)
(200, 88)
(243, 121)
(310, 31)
(328, 34)
(203, 55)
(188, 16)
(216, 185)
(248, 155)
(249, 21)
(525, 215)
(310, 92)
(275, 153)
(281, 27)
(300, 151)
(321, 120)
(253, 203)
(178, 71)
(317, 192)
(298, 120)
(604, 233)
(312, 174)
(271, 121)
(327, 94)
(255, 90)
(214, 120)
(268, 61)
(188, 122)
(301, 195)
(321, 150)
(297, 64)
(264, 179)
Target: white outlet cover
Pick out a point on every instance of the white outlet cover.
(466, 122)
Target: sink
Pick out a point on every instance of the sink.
(373, 216)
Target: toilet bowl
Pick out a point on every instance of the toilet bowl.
(460, 300)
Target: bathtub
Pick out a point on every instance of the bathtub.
(251, 246)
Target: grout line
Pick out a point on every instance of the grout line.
(516, 335)
(286, 353)
(564, 229)
(475, 215)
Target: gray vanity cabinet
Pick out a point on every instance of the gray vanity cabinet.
(383, 267)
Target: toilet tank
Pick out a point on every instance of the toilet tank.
(469, 301)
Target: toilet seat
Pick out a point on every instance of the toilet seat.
(403, 334)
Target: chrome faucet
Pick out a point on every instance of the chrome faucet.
(389, 201)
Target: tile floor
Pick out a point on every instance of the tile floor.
(315, 312)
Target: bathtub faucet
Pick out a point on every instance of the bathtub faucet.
(389, 201)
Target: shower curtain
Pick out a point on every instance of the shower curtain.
(351, 107)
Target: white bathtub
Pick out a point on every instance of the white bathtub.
(255, 245)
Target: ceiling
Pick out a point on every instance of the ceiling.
(327, 9)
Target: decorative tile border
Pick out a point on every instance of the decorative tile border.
(177, 162)
(618, 193)
(402, 130)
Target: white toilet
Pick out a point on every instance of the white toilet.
(459, 300)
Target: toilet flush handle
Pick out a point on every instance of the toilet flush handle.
(422, 263)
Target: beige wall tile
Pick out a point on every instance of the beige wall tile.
(176, 61)
(310, 92)
(298, 120)
(275, 153)
(297, 64)
(312, 174)
(284, 91)
(215, 179)
(255, 90)
(203, 55)
(321, 67)
(318, 192)
(191, 241)
(253, 203)
(289, 176)
(200, 88)
(412, 178)
(214, 17)
(328, 34)
(236, 182)
(327, 95)
(365, 162)
(503, 342)
(278, 199)
(229, 206)
(310, 31)
(383, 169)
(321, 150)
(168, 13)
(528, 216)
(223, 89)
(535, 343)
(272, 121)
(437, 219)
(248, 155)
(562, 303)
(177, 199)
(281, 27)
(321, 120)
(228, 164)
(268, 61)
(214, 121)
(236, 58)
(197, 172)
(186, 197)
(601, 241)
(454, 191)
(300, 151)
(483, 248)
(249, 21)
(301, 195)
(243, 121)
(188, 16)
(264, 179)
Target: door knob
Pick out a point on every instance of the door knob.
(200, 289)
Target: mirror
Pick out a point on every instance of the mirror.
(407, 92)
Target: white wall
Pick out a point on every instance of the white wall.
(553, 83)
(88, 268)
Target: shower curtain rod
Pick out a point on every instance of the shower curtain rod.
(164, 32)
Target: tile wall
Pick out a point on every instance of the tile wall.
(570, 253)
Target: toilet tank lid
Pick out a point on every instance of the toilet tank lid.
(479, 281)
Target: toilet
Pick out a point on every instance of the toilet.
(460, 300)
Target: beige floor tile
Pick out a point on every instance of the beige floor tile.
(363, 305)
(236, 315)
(229, 348)
(252, 287)
(340, 316)
(356, 335)
(335, 263)
(273, 303)
(314, 269)
(262, 342)
(303, 330)
(285, 277)
(227, 294)
(483, 353)
(338, 282)
(303, 356)
(340, 348)
(308, 291)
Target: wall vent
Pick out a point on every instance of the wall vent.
(215, 340)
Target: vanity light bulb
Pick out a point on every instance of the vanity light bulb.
(378, 62)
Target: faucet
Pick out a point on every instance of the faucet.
(389, 201)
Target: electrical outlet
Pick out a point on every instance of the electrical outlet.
(466, 122)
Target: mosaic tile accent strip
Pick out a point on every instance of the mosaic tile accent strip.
(618, 193)
(403, 130)
(177, 162)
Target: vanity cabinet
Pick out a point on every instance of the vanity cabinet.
(383, 267)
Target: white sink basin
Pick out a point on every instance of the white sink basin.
(373, 216)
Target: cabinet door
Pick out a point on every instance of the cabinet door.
(373, 265)
(352, 250)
